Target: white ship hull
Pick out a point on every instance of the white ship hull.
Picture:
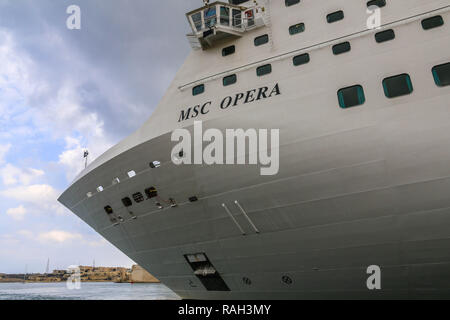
(357, 187)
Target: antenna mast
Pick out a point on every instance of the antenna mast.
(86, 154)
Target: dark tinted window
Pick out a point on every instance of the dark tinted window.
(261, 40)
(351, 96)
(432, 22)
(378, 3)
(441, 75)
(397, 86)
(228, 50)
(198, 90)
(335, 16)
(229, 80)
(301, 59)
(296, 28)
(291, 2)
(385, 36)
(341, 48)
(263, 70)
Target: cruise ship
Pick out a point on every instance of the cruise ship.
(359, 93)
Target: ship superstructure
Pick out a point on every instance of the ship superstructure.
(364, 175)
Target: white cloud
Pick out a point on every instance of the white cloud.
(12, 175)
(4, 149)
(17, 213)
(59, 236)
(41, 197)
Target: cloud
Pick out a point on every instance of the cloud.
(59, 236)
(12, 175)
(4, 149)
(41, 197)
(17, 213)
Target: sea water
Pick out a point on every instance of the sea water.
(88, 291)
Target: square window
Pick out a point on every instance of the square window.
(228, 51)
(263, 70)
(341, 48)
(227, 81)
(351, 96)
(296, 28)
(397, 86)
(259, 41)
(441, 75)
(198, 90)
(378, 3)
(335, 16)
(432, 22)
(291, 2)
(385, 36)
(301, 59)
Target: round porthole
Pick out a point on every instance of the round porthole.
(287, 280)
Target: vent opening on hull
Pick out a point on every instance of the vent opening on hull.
(127, 202)
(138, 197)
(109, 210)
(206, 273)
(151, 192)
(155, 164)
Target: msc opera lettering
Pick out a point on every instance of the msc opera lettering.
(230, 101)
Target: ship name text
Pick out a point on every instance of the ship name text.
(230, 101)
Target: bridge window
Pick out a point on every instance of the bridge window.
(301, 59)
(441, 75)
(198, 90)
(397, 86)
(225, 16)
(351, 96)
(263, 70)
(291, 2)
(237, 18)
(385, 36)
(210, 17)
(228, 51)
(259, 41)
(432, 22)
(296, 28)
(335, 16)
(341, 48)
(378, 3)
(227, 81)
(197, 19)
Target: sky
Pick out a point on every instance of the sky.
(63, 91)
